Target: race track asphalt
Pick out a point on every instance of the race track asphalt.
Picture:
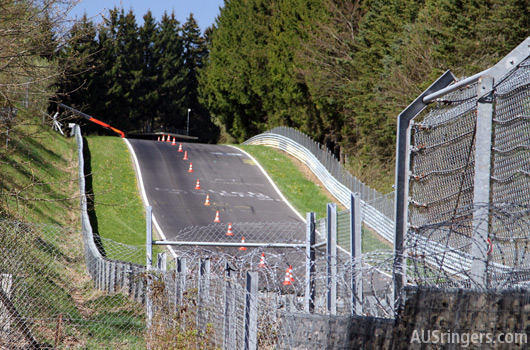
(237, 187)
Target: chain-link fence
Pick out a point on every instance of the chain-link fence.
(48, 300)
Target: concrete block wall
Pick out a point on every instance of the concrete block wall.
(461, 311)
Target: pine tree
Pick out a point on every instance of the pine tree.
(148, 96)
(171, 73)
(77, 86)
(234, 80)
(195, 54)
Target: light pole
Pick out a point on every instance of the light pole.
(188, 123)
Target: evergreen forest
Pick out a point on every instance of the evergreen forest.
(338, 70)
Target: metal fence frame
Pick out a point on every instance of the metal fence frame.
(486, 81)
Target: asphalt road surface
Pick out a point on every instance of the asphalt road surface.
(236, 186)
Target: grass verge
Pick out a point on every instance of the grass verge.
(118, 211)
(51, 289)
(38, 181)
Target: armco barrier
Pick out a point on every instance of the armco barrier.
(379, 219)
(109, 275)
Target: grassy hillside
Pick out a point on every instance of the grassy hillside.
(44, 254)
(39, 180)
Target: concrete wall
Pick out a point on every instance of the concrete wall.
(460, 316)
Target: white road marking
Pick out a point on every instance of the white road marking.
(227, 154)
(271, 182)
(222, 193)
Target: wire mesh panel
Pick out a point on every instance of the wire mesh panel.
(511, 170)
(441, 180)
(443, 214)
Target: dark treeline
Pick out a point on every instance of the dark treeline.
(342, 70)
(338, 70)
(138, 78)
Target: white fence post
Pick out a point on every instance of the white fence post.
(149, 263)
(229, 340)
(203, 294)
(180, 283)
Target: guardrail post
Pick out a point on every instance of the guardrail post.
(149, 263)
(251, 312)
(203, 294)
(481, 193)
(356, 255)
(309, 300)
(229, 339)
(331, 257)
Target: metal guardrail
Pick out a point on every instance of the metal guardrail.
(108, 274)
(376, 209)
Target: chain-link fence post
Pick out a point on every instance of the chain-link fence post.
(149, 263)
(356, 254)
(251, 312)
(481, 193)
(203, 294)
(331, 258)
(229, 334)
(309, 300)
(180, 283)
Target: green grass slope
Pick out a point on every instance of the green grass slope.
(39, 181)
(43, 247)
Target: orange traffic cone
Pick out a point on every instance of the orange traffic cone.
(185, 156)
(217, 217)
(207, 202)
(243, 241)
(168, 138)
(229, 232)
(158, 138)
(190, 170)
(198, 185)
(163, 138)
(180, 146)
(173, 143)
(291, 273)
(262, 260)
(287, 279)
